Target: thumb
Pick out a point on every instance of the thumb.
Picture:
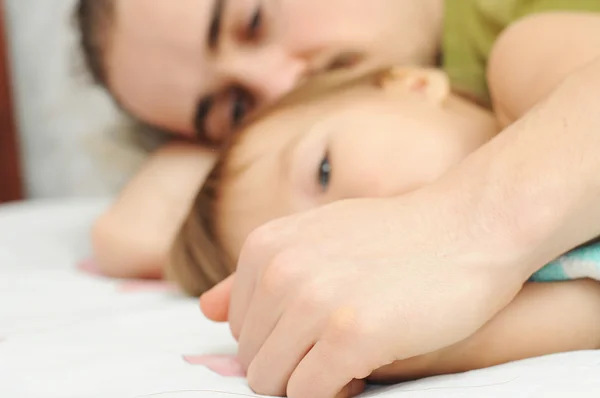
(215, 303)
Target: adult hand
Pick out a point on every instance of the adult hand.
(215, 304)
(322, 299)
(326, 297)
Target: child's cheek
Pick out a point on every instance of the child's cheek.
(360, 170)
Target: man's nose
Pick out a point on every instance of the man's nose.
(269, 74)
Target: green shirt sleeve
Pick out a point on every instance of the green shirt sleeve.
(471, 27)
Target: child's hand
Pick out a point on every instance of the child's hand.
(324, 298)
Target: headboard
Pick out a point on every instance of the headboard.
(11, 187)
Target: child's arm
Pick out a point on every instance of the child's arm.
(534, 55)
(543, 319)
(132, 239)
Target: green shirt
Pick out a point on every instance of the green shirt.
(471, 28)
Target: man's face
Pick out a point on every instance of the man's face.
(199, 67)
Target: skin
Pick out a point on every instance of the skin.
(132, 239)
(539, 321)
(401, 136)
(532, 195)
(534, 153)
(138, 55)
(127, 246)
(160, 65)
(160, 68)
(377, 141)
(517, 79)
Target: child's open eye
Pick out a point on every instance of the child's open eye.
(324, 175)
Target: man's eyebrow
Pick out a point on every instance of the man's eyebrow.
(214, 29)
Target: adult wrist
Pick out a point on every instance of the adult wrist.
(509, 221)
(533, 193)
(501, 228)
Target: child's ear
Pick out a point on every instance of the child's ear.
(433, 84)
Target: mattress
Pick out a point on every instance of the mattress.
(66, 332)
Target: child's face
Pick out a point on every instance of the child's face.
(195, 66)
(372, 141)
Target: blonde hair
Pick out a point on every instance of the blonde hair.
(197, 260)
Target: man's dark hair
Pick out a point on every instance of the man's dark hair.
(95, 18)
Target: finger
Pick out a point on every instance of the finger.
(271, 368)
(259, 323)
(258, 253)
(255, 255)
(327, 370)
(353, 389)
(275, 290)
(215, 303)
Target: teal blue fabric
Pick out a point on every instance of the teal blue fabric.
(577, 264)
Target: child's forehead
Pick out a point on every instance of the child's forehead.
(277, 131)
(278, 128)
(272, 133)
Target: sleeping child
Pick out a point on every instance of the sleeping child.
(382, 134)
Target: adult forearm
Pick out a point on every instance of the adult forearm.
(535, 189)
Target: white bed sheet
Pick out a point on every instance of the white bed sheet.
(65, 333)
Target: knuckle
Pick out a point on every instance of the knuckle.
(353, 331)
(281, 273)
(260, 239)
(313, 297)
(347, 327)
